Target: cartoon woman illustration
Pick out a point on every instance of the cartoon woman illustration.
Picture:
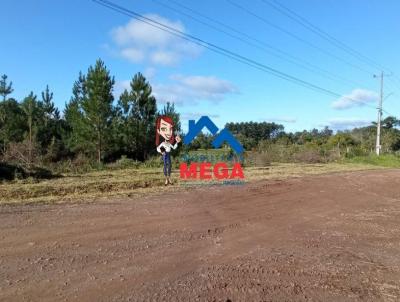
(165, 128)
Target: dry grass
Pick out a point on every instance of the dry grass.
(283, 171)
(98, 185)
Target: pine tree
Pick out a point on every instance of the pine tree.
(140, 108)
(76, 136)
(97, 105)
(50, 110)
(31, 108)
(12, 123)
(50, 126)
(124, 126)
(5, 89)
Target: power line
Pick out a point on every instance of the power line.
(318, 31)
(392, 85)
(243, 37)
(272, 47)
(396, 84)
(388, 113)
(217, 49)
(281, 29)
(323, 34)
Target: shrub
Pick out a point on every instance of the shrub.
(309, 156)
(11, 172)
(152, 162)
(124, 162)
(257, 159)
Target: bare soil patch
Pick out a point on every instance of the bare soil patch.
(329, 237)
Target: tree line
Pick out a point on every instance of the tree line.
(101, 127)
(355, 142)
(259, 136)
(93, 123)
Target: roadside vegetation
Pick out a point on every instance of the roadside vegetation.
(386, 160)
(102, 144)
(131, 181)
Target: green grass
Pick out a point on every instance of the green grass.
(100, 185)
(385, 160)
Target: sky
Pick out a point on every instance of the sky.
(48, 42)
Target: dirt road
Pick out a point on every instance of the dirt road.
(321, 238)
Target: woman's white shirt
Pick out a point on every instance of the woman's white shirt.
(167, 146)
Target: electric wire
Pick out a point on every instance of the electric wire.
(323, 34)
(294, 36)
(219, 50)
(243, 37)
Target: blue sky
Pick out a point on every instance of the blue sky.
(49, 42)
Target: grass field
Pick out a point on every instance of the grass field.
(93, 186)
(386, 160)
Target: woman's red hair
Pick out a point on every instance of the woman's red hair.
(158, 123)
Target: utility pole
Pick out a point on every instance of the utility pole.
(378, 124)
(380, 109)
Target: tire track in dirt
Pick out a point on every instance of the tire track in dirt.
(317, 238)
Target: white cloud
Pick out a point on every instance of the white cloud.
(186, 90)
(162, 57)
(150, 73)
(139, 42)
(358, 97)
(211, 85)
(197, 115)
(280, 120)
(341, 123)
(133, 55)
(190, 89)
(137, 32)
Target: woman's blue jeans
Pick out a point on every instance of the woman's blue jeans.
(167, 163)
